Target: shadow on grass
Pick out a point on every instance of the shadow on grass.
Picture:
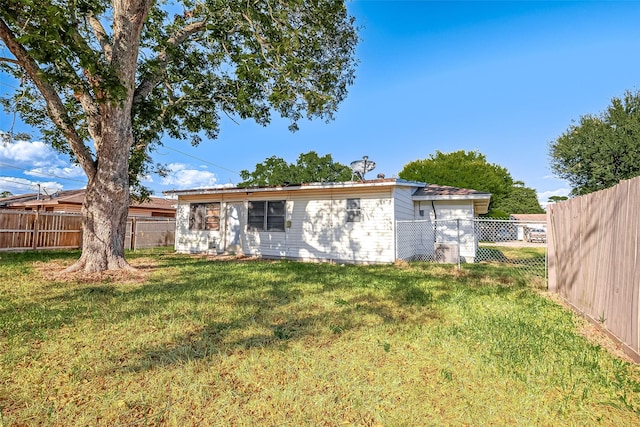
(232, 306)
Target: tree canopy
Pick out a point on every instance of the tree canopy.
(556, 199)
(309, 168)
(105, 81)
(599, 151)
(472, 170)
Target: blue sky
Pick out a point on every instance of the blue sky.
(504, 78)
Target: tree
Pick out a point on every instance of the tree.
(472, 170)
(5, 194)
(556, 199)
(309, 168)
(521, 200)
(600, 150)
(104, 81)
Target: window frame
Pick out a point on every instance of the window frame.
(208, 220)
(353, 208)
(266, 218)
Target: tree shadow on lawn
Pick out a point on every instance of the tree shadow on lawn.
(278, 315)
(268, 303)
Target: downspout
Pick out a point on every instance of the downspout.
(435, 224)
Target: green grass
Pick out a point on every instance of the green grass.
(200, 342)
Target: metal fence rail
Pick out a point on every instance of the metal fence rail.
(518, 244)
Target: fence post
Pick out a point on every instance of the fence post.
(458, 231)
(133, 233)
(36, 230)
(551, 266)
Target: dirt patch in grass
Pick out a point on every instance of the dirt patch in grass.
(54, 271)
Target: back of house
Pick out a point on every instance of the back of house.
(343, 222)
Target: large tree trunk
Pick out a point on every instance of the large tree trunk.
(108, 116)
(106, 204)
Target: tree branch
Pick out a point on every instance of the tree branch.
(146, 86)
(9, 60)
(102, 36)
(56, 109)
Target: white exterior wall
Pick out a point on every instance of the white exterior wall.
(320, 231)
(316, 228)
(455, 224)
(403, 205)
(193, 241)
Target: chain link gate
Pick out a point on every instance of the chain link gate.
(517, 244)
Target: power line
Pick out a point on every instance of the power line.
(17, 183)
(43, 173)
(201, 160)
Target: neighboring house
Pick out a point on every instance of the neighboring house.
(70, 201)
(341, 222)
(527, 222)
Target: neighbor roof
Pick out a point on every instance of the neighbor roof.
(529, 217)
(444, 192)
(73, 197)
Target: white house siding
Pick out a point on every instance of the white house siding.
(316, 226)
(403, 205)
(454, 224)
(368, 240)
(312, 229)
(270, 244)
(320, 231)
(193, 241)
(233, 226)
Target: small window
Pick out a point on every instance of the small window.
(266, 215)
(354, 214)
(204, 216)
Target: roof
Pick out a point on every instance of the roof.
(422, 191)
(529, 217)
(381, 182)
(444, 192)
(74, 197)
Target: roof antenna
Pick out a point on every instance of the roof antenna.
(360, 167)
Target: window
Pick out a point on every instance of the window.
(204, 216)
(266, 215)
(353, 210)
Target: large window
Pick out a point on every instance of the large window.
(354, 213)
(266, 215)
(204, 216)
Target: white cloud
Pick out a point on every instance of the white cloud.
(182, 176)
(16, 185)
(543, 197)
(32, 153)
(59, 172)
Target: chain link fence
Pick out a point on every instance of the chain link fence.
(517, 244)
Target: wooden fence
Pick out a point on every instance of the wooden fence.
(594, 259)
(25, 230)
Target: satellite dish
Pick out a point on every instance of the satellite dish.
(361, 167)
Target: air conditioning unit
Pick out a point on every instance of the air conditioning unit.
(445, 252)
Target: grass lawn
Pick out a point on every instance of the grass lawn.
(190, 341)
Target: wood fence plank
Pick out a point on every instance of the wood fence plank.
(596, 258)
(64, 231)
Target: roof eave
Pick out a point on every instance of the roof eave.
(388, 182)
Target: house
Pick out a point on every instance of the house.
(70, 201)
(341, 221)
(525, 223)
